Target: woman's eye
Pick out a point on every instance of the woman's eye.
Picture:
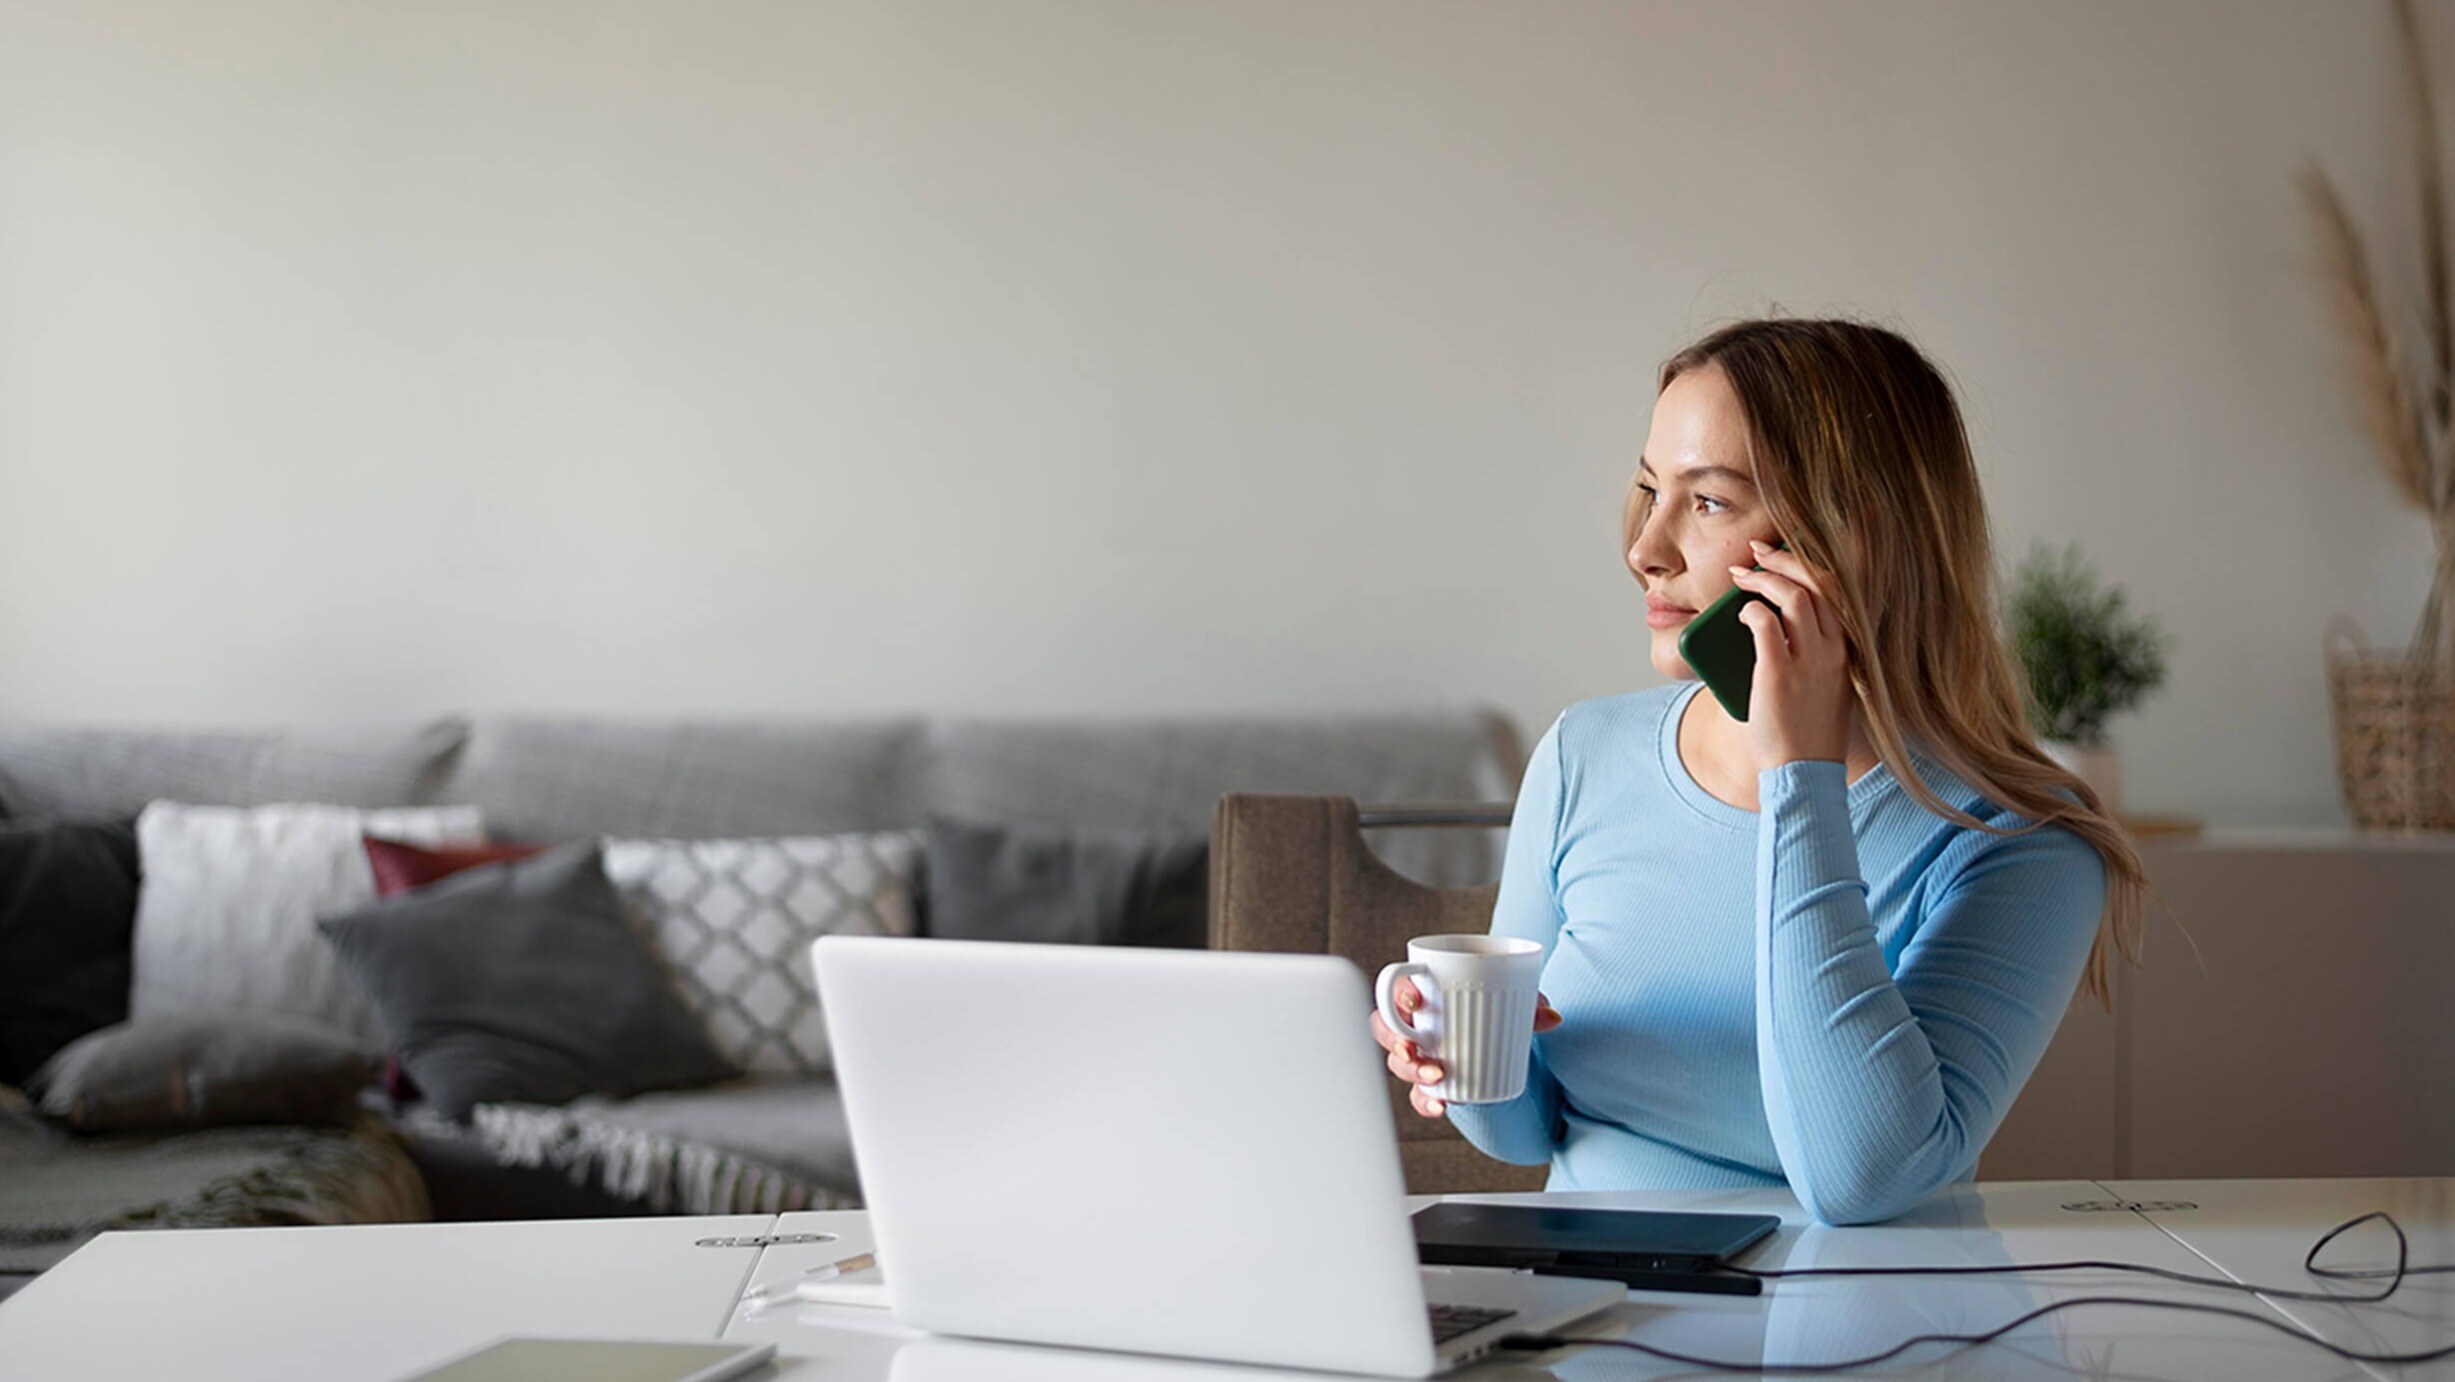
(1709, 504)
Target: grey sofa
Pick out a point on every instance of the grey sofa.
(751, 1145)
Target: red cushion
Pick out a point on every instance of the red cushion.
(396, 1080)
(400, 867)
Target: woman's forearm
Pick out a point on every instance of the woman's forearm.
(1882, 1082)
(1524, 1131)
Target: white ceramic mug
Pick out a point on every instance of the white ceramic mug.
(1477, 1018)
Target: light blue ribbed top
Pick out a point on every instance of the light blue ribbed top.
(1842, 990)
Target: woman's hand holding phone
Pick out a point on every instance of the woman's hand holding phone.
(1408, 1063)
(1800, 699)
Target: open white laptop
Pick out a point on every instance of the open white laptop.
(1157, 1151)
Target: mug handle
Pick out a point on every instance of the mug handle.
(1386, 1000)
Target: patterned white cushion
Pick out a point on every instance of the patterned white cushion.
(226, 910)
(734, 920)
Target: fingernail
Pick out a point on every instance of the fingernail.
(1738, 570)
(1760, 545)
(1429, 1074)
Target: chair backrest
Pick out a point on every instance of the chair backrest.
(1294, 873)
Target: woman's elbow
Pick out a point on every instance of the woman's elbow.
(1499, 1141)
(1852, 1195)
(1516, 1151)
(1849, 1209)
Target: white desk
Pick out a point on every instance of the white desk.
(1797, 1320)
(378, 1302)
(2259, 1231)
(370, 1302)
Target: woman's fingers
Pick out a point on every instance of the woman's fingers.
(1405, 1059)
(1803, 628)
(1391, 1042)
(1407, 1062)
(1786, 595)
(1808, 602)
(1410, 1066)
(1800, 695)
(1772, 643)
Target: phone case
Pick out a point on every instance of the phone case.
(1721, 650)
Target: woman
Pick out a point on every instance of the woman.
(1824, 946)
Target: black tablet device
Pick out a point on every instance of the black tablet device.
(1652, 1249)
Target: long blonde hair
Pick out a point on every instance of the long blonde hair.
(1864, 466)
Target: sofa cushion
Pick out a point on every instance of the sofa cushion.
(200, 1069)
(570, 779)
(734, 920)
(1081, 885)
(225, 915)
(67, 907)
(765, 1145)
(400, 867)
(90, 772)
(1169, 774)
(522, 981)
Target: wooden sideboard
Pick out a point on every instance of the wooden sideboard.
(2304, 1026)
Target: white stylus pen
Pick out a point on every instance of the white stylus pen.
(766, 1295)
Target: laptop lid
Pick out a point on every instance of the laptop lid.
(1179, 1152)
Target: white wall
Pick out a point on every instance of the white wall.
(370, 362)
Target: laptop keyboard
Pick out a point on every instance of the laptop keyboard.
(1449, 1321)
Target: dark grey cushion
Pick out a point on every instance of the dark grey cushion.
(1079, 885)
(204, 1068)
(522, 981)
(67, 911)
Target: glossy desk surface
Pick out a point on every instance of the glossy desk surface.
(380, 1302)
(2260, 1230)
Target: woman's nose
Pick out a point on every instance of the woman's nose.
(1648, 555)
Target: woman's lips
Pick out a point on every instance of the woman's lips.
(1662, 614)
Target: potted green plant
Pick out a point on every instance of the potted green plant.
(2086, 657)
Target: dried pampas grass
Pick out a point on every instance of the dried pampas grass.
(2403, 406)
(2373, 363)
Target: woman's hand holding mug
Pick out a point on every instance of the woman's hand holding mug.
(1468, 1039)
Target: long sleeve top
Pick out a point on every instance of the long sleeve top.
(1841, 990)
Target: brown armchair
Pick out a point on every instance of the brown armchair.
(1293, 873)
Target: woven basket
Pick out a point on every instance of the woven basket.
(2395, 736)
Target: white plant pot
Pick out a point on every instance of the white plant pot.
(2097, 765)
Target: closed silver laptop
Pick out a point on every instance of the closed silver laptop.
(1154, 1151)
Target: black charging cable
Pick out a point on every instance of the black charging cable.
(2394, 1276)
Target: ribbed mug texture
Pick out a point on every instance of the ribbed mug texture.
(1484, 1042)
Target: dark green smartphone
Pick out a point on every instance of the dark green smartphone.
(1721, 650)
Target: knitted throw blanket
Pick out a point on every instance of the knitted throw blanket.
(667, 1174)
